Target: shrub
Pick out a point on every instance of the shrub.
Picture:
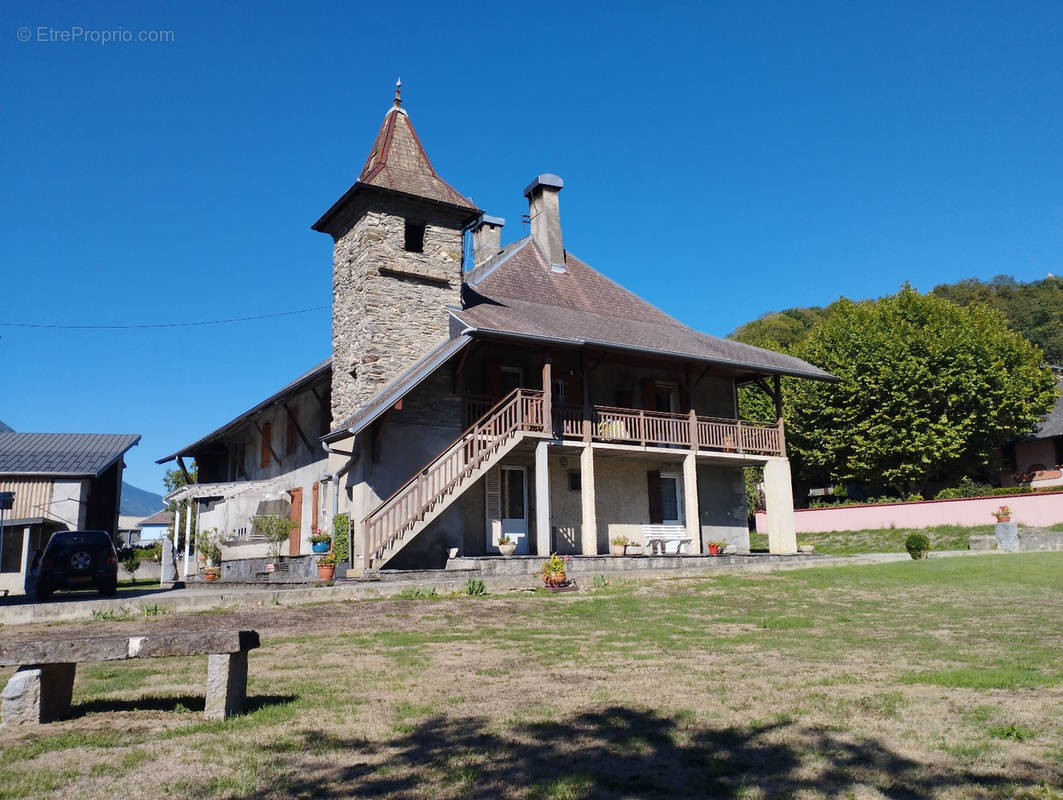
(476, 587)
(917, 545)
(131, 563)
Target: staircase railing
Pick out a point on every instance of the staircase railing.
(521, 410)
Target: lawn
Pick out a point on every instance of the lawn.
(936, 678)
(887, 540)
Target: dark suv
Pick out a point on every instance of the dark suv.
(75, 560)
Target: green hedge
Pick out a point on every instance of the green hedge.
(341, 537)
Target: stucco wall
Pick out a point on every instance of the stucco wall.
(1038, 510)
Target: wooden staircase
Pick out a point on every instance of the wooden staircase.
(397, 520)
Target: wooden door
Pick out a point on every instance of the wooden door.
(316, 500)
(296, 517)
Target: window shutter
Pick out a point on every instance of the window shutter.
(493, 495)
(267, 436)
(653, 487)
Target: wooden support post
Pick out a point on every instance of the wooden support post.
(299, 430)
(188, 535)
(588, 409)
(548, 392)
(777, 385)
(693, 430)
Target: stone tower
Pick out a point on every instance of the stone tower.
(396, 266)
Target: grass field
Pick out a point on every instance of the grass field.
(937, 678)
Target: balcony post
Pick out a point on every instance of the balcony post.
(366, 560)
(548, 392)
(782, 438)
(694, 444)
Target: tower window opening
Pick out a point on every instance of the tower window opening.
(414, 236)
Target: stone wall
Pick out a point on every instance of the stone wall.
(389, 306)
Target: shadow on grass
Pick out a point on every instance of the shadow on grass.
(616, 752)
(171, 702)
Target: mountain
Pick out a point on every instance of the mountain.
(138, 502)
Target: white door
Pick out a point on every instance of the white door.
(515, 506)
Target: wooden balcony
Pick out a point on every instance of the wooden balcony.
(658, 429)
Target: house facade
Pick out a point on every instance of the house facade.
(1037, 460)
(518, 392)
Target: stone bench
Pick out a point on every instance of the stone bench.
(41, 689)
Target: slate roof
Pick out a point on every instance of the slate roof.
(163, 517)
(516, 293)
(304, 380)
(398, 162)
(1052, 425)
(66, 454)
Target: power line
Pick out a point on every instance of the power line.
(158, 324)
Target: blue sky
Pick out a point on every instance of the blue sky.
(722, 160)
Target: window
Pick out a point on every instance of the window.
(513, 493)
(414, 236)
(671, 502)
(291, 437)
(267, 442)
(575, 482)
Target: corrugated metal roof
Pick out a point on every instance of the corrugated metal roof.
(517, 293)
(73, 454)
(304, 380)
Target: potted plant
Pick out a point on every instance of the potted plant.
(506, 546)
(805, 547)
(320, 542)
(619, 544)
(553, 570)
(211, 574)
(717, 548)
(1003, 514)
(326, 566)
(634, 548)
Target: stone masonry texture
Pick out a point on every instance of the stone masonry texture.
(389, 306)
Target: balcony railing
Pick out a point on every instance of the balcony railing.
(661, 429)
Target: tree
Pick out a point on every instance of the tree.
(928, 390)
(175, 479)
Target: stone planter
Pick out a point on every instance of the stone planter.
(805, 548)
(507, 550)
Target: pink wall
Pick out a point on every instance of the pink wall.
(1036, 510)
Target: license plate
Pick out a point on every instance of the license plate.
(81, 579)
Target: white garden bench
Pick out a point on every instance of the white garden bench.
(665, 539)
(40, 691)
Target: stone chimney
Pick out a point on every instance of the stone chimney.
(545, 215)
(486, 238)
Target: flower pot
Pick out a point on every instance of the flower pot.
(507, 550)
(557, 579)
(1004, 519)
(619, 549)
(714, 549)
(326, 572)
(210, 575)
(319, 547)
